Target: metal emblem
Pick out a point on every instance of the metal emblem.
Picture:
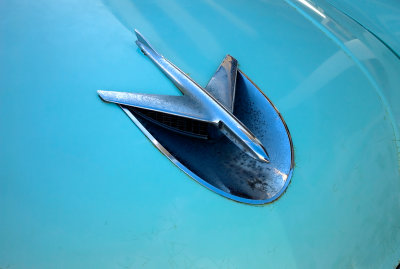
(227, 136)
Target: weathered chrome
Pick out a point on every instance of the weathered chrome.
(223, 84)
(196, 103)
(182, 106)
(236, 164)
(221, 166)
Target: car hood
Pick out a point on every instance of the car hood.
(81, 186)
(378, 17)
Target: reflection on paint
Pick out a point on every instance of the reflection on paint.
(313, 8)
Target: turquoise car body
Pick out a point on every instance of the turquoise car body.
(82, 187)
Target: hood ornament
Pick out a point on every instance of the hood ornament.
(227, 136)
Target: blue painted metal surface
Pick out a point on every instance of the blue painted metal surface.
(80, 187)
(381, 18)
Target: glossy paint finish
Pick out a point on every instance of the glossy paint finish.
(380, 65)
(80, 187)
(379, 17)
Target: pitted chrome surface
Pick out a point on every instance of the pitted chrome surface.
(219, 164)
(246, 153)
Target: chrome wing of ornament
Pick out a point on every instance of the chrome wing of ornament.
(212, 105)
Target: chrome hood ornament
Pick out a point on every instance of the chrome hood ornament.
(209, 123)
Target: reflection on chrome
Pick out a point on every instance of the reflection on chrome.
(284, 176)
(218, 135)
